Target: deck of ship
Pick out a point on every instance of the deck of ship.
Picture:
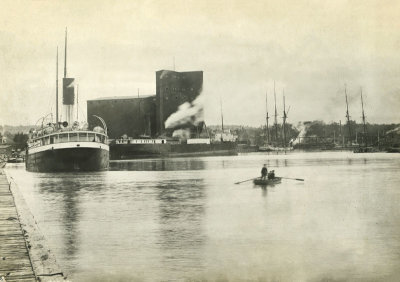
(15, 263)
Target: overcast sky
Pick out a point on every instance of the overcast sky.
(310, 48)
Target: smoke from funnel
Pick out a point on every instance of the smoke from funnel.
(302, 127)
(164, 73)
(182, 134)
(187, 114)
(395, 130)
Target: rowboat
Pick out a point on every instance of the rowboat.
(275, 180)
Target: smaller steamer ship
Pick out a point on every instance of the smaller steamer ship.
(16, 157)
(67, 146)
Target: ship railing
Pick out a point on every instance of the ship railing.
(73, 136)
(140, 141)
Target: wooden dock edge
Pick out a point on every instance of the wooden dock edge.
(43, 261)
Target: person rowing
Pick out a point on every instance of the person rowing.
(264, 172)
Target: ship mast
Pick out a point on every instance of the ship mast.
(65, 55)
(57, 87)
(267, 117)
(347, 114)
(284, 120)
(222, 116)
(276, 115)
(363, 118)
(77, 102)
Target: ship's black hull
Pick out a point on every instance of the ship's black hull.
(68, 159)
(139, 151)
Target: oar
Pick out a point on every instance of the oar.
(298, 179)
(246, 180)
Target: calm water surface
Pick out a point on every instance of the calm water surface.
(185, 219)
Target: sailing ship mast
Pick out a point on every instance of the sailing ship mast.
(363, 118)
(267, 117)
(284, 120)
(275, 119)
(57, 87)
(347, 114)
(77, 102)
(65, 54)
(222, 116)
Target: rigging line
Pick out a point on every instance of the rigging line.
(81, 97)
(82, 112)
(49, 104)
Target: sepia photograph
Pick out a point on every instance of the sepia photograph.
(199, 140)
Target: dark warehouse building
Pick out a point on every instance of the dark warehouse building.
(128, 115)
(139, 116)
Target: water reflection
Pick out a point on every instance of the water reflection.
(205, 163)
(181, 216)
(66, 190)
(264, 190)
(158, 165)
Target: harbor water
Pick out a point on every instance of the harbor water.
(184, 219)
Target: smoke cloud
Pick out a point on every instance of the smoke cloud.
(302, 127)
(181, 133)
(187, 114)
(395, 130)
(164, 73)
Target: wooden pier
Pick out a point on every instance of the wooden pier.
(15, 263)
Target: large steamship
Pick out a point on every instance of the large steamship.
(67, 145)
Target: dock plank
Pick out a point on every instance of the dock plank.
(15, 263)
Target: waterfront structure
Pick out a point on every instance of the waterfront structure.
(15, 264)
(125, 116)
(5, 150)
(137, 117)
(137, 124)
(67, 145)
(172, 90)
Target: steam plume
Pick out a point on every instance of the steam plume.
(302, 127)
(181, 133)
(164, 73)
(395, 130)
(187, 114)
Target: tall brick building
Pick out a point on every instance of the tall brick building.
(172, 90)
(135, 116)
